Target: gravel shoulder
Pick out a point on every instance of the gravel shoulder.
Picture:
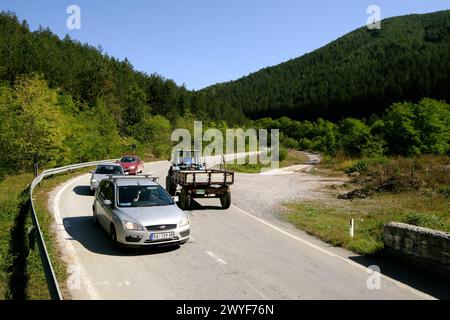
(264, 194)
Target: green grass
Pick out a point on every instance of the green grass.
(14, 223)
(332, 226)
(246, 168)
(329, 220)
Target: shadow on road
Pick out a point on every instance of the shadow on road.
(83, 191)
(96, 240)
(418, 279)
(197, 206)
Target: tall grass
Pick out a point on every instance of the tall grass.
(21, 272)
(14, 223)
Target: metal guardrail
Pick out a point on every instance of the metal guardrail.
(50, 277)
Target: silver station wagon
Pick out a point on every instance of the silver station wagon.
(103, 171)
(138, 211)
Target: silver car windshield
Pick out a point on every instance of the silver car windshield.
(116, 170)
(143, 196)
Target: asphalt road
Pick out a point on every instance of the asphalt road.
(239, 253)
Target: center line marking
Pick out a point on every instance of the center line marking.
(216, 258)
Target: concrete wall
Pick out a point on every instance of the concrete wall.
(420, 246)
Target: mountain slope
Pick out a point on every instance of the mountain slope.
(87, 74)
(357, 75)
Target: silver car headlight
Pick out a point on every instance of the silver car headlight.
(93, 181)
(130, 225)
(184, 221)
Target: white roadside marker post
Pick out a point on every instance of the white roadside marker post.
(352, 228)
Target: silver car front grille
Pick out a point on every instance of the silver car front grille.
(161, 227)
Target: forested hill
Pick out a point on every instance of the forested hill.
(65, 102)
(87, 74)
(357, 75)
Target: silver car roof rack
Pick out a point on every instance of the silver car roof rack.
(139, 176)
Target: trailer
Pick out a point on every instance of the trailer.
(189, 178)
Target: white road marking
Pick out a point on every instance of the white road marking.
(311, 245)
(125, 283)
(216, 258)
(257, 291)
(68, 246)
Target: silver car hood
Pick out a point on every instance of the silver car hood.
(150, 216)
(99, 177)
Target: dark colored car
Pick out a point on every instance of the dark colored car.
(132, 164)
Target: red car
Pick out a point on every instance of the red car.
(131, 164)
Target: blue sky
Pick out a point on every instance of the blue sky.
(202, 42)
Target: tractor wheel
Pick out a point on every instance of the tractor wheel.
(170, 187)
(184, 200)
(225, 200)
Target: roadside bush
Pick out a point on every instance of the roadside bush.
(445, 190)
(414, 129)
(305, 144)
(359, 166)
(424, 220)
(289, 143)
(363, 164)
(355, 139)
(283, 154)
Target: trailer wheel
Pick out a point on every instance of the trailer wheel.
(225, 200)
(184, 200)
(170, 187)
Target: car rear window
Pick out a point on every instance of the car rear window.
(128, 159)
(116, 170)
(143, 196)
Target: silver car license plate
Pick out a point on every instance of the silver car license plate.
(161, 236)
